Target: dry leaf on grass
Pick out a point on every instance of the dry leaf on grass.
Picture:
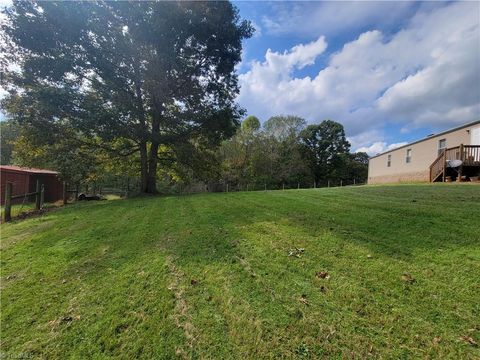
(468, 340)
(408, 278)
(297, 252)
(322, 275)
(303, 300)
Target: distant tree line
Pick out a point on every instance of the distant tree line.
(146, 92)
(285, 151)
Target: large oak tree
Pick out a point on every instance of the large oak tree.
(154, 74)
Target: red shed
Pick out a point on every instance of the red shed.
(25, 179)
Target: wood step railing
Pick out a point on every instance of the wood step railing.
(468, 154)
(438, 167)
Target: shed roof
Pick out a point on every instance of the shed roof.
(27, 170)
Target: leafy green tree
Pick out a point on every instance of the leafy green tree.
(154, 73)
(324, 148)
(358, 167)
(236, 154)
(284, 127)
(251, 124)
(272, 156)
(290, 167)
(9, 132)
(75, 162)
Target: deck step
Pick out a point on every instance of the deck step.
(435, 177)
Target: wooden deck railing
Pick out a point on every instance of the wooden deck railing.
(468, 154)
(471, 155)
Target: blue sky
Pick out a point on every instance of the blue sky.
(390, 72)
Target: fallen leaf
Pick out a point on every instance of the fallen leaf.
(297, 252)
(322, 275)
(408, 278)
(468, 340)
(303, 299)
(436, 340)
(193, 282)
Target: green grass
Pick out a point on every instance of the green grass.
(18, 209)
(210, 276)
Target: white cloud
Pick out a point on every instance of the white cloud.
(379, 147)
(275, 72)
(425, 75)
(329, 17)
(363, 142)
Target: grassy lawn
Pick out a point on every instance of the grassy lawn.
(17, 209)
(379, 271)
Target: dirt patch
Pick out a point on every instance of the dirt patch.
(181, 316)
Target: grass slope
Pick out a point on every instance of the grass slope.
(210, 276)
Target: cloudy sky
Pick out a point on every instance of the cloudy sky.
(390, 72)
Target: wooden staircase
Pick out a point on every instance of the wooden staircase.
(468, 154)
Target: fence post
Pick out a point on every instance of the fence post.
(341, 182)
(298, 186)
(8, 202)
(328, 183)
(37, 196)
(227, 187)
(283, 188)
(42, 196)
(354, 182)
(65, 193)
(265, 186)
(315, 184)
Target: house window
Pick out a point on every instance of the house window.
(442, 145)
(408, 158)
(389, 160)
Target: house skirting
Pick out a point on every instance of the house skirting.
(417, 176)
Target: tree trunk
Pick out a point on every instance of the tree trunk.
(143, 167)
(153, 157)
(143, 142)
(152, 169)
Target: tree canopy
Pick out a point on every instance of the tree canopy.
(251, 124)
(288, 152)
(323, 147)
(155, 74)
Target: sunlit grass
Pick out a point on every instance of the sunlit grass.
(384, 271)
